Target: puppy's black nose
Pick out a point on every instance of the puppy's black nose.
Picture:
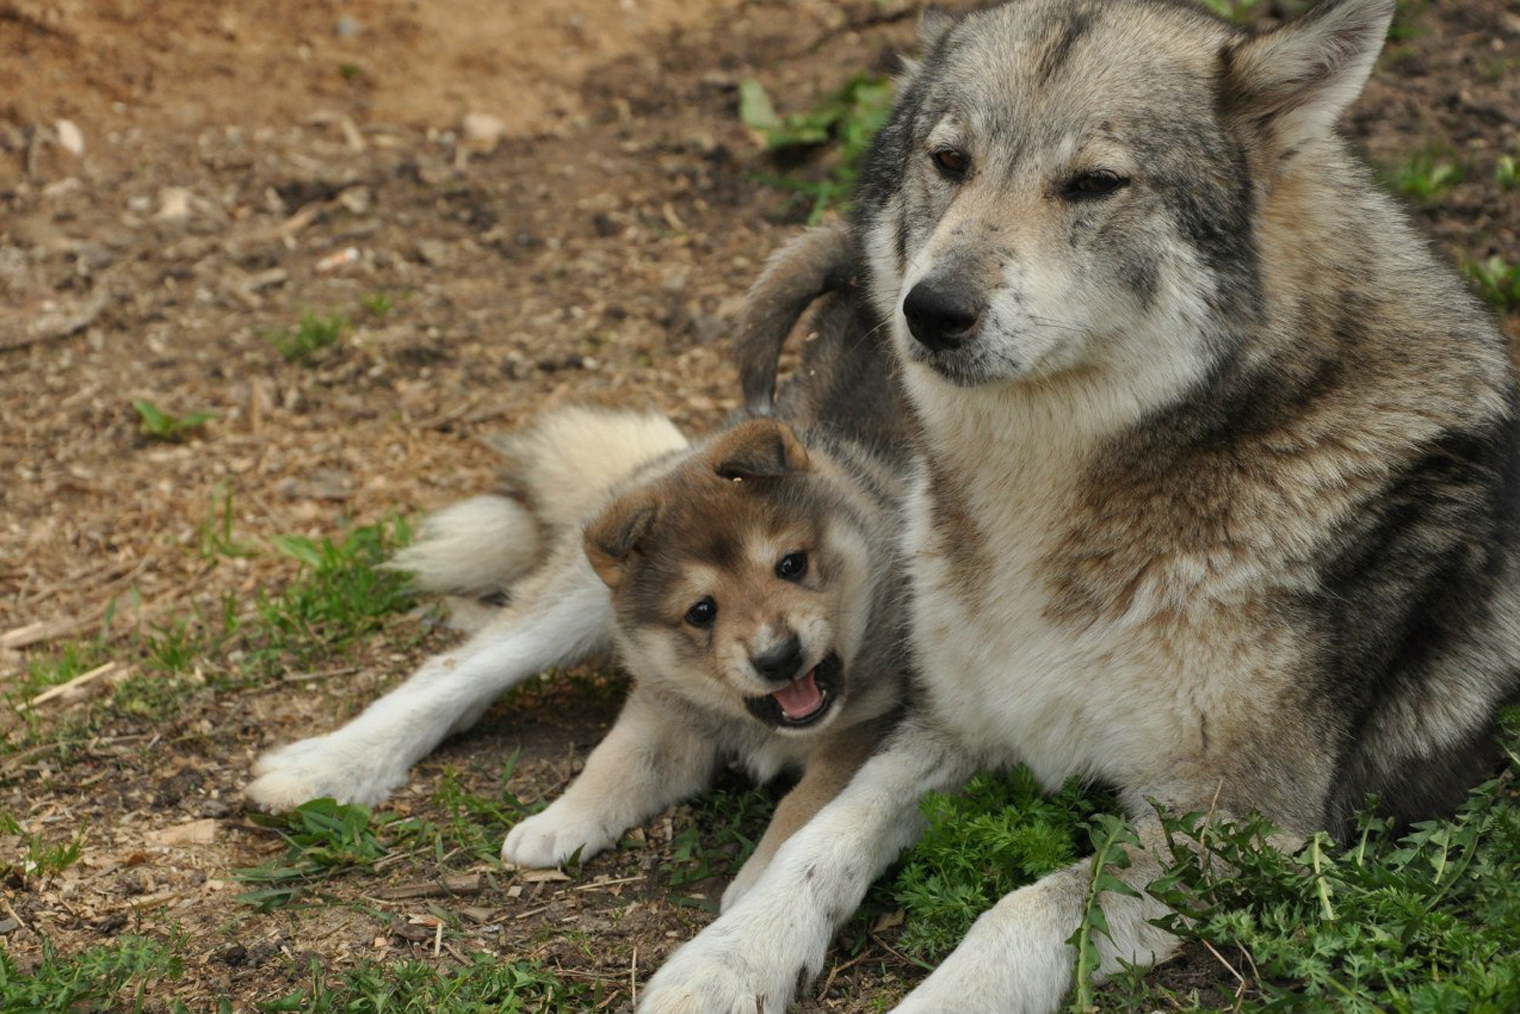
(942, 316)
(781, 663)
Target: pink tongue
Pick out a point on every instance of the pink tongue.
(799, 698)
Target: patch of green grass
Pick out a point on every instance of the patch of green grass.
(348, 71)
(315, 333)
(323, 838)
(161, 425)
(1507, 172)
(71, 659)
(117, 977)
(1403, 27)
(1426, 175)
(339, 596)
(378, 304)
(477, 825)
(151, 697)
(487, 984)
(844, 123)
(997, 834)
(215, 531)
(1497, 282)
(36, 858)
(1241, 11)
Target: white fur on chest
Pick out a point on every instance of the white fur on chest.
(1099, 700)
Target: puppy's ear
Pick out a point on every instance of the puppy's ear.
(613, 537)
(758, 449)
(1297, 80)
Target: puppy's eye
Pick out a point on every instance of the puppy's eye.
(953, 162)
(792, 566)
(702, 614)
(1098, 183)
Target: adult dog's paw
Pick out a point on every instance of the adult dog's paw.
(708, 977)
(550, 838)
(312, 768)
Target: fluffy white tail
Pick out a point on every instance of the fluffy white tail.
(559, 472)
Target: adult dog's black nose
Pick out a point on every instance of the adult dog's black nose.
(942, 316)
(781, 663)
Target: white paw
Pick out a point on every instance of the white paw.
(687, 987)
(713, 975)
(550, 838)
(312, 768)
(748, 874)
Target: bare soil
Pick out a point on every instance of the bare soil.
(245, 164)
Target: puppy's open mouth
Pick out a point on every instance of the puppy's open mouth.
(805, 700)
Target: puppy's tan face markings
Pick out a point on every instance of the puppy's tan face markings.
(730, 581)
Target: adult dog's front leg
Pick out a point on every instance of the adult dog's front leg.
(562, 615)
(754, 956)
(1016, 959)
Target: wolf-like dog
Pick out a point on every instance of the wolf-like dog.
(1220, 481)
(748, 582)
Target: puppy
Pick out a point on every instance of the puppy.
(748, 582)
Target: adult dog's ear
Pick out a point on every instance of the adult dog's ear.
(758, 449)
(1296, 81)
(614, 536)
(933, 25)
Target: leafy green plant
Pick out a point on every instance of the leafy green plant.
(997, 834)
(160, 425)
(114, 978)
(1426, 175)
(312, 335)
(487, 984)
(721, 835)
(322, 838)
(847, 120)
(1111, 837)
(1412, 923)
(1497, 282)
(340, 594)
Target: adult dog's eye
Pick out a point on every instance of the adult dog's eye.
(953, 162)
(702, 613)
(792, 566)
(1094, 184)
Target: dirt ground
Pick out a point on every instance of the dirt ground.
(561, 204)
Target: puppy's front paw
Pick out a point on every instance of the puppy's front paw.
(550, 838)
(312, 768)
